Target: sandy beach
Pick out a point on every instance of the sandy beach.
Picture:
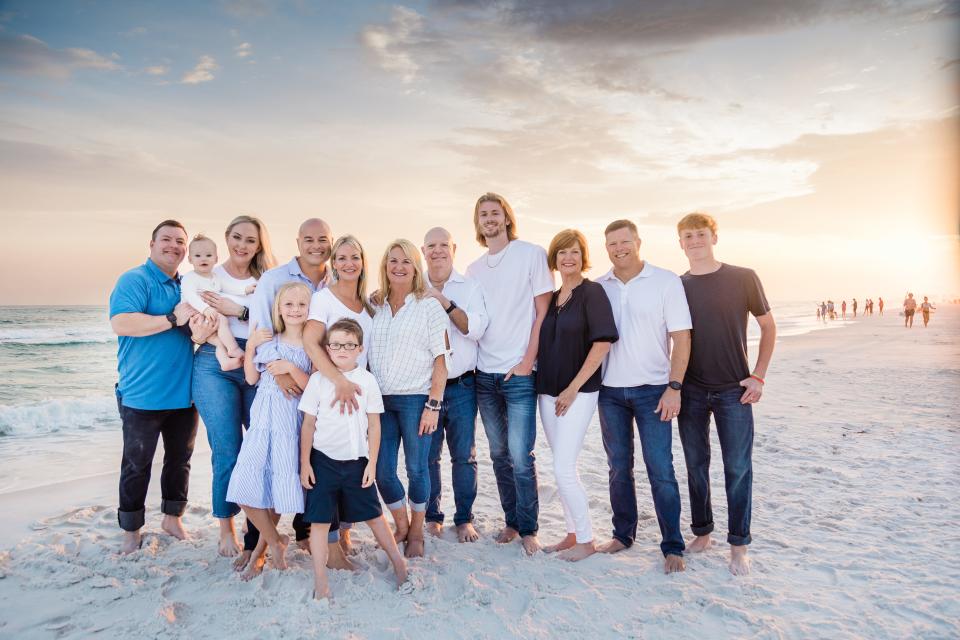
(855, 477)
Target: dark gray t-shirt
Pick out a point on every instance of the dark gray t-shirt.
(719, 303)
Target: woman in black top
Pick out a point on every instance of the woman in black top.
(575, 336)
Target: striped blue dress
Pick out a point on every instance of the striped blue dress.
(267, 473)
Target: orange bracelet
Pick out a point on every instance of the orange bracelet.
(756, 377)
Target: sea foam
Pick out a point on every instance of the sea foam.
(62, 414)
(57, 335)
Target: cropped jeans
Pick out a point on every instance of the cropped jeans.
(400, 424)
(509, 412)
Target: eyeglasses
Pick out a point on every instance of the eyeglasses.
(337, 346)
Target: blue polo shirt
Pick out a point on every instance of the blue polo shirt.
(154, 370)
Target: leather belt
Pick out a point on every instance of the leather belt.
(467, 375)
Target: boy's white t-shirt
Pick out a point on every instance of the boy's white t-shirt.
(325, 307)
(510, 280)
(341, 436)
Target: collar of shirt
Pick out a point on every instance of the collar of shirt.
(454, 277)
(646, 272)
(293, 268)
(158, 273)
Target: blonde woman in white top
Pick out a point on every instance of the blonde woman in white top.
(408, 350)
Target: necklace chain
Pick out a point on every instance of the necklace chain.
(502, 256)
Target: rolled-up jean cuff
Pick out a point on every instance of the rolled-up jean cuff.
(525, 533)
(702, 531)
(418, 507)
(739, 540)
(229, 515)
(333, 536)
(173, 507)
(393, 506)
(626, 542)
(131, 520)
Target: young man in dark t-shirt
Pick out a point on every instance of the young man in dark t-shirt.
(719, 381)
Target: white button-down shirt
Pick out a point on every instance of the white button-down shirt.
(405, 345)
(468, 295)
(646, 309)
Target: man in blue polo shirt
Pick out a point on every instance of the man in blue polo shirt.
(154, 360)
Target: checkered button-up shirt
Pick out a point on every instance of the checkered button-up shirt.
(404, 346)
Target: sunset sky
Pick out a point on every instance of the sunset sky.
(824, 135)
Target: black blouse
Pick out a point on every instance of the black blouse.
(567, 335)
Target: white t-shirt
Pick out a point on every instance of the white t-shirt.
(230, 287)
(646, 309)
(325, 307)
(510, 279)
(341, 436)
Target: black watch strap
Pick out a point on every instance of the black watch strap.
(676, 386)
(172, 319)
(453, 305)
(244, 315)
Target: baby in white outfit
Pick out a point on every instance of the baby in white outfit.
(203, 256)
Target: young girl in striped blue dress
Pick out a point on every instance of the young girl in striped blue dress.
(266, 479)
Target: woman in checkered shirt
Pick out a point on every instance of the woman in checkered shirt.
(408, 349)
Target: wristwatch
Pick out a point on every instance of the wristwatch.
(244, 315)
(432, 404)
(172, 319)
(453, 305)
(676, 386)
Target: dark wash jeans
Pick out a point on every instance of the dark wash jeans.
(142, 429)
(458, 423)
(509, 412)
(619, 408)
(735, 431)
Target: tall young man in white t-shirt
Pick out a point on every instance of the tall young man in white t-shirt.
(517, 285)
(641, 383)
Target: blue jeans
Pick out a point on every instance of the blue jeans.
(458, 421)
(509, 412)
(735, 431)
(619, 408)
(400, 422)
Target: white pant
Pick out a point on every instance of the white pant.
(565, 437)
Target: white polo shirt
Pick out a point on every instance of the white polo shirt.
(510, 280)
(341, 436)
(468, 295)
(646, 309)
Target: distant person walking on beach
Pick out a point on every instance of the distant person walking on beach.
(823, 311)
(154, 359)
(830, 310)
(642, 384)
(517, 286)
(854, 307)
(909, 308)
(925, 308)
(880, 304)
(719, 382)
(843, 309)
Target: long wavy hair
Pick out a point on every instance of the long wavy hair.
(380, 296)
(263, 260)
(362, 280)
(509, 215)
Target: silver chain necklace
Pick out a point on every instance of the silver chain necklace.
(502, 256)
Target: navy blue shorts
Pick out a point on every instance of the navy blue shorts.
(337, 488)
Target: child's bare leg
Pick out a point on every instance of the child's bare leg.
(266, 521)
(226, 362)
(318, 552)
(258, 558)
(226, 337)
(381, 531)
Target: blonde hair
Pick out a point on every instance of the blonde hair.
(263, 260)
(697, 220)
(507, 212)
(279, 326)
(419, 284)
(362, 280)
(201, 238)
(564, 240)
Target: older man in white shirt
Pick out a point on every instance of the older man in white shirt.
(462, 299)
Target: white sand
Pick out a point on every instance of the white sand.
(855, 534)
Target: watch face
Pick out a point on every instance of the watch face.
(675, 385)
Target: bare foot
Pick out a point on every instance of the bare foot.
(228, 546)
(566, 543)
(531, 544)
(336, 559)
(241, 561)
(278, 552)
(739, 562)
(321, 594)
(673, 564)
(304, 545)
(401, 528)
(435, 529)
(346, 543)
(254, 568)
(507, 534)
(414, 547)
(578, 552)
(466, 533)
(173, 526)
(131, 542)
(700, 544)
(612, 547)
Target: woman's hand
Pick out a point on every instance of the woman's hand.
(428, 421)
(258, 337)
(564, 401)
(224, 305)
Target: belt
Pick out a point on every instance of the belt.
(452, 381)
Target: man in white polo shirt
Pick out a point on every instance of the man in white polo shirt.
(641, 382)
(517, 285)
(462, 299)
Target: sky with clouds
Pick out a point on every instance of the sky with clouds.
(824, 135)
